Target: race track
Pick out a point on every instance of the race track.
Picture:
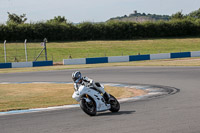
(178, 113)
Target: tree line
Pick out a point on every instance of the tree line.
(59, 29)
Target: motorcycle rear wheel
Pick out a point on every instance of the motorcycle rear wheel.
(115, 106)
(88, 108)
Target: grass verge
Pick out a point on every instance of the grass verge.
(38, 95)
(195, 61)
(82, 49)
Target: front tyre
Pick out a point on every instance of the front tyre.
(115, 106)
(88, 105)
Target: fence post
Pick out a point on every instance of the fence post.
(45, 48)
(25, 50)
(5, 51)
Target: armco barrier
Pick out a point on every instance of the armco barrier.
(159, 56)
(22, 64)
(130, 58)
(26, 64)
(5, 65)
(42, 63)
(118, 59)
(195, 54)
(96, 60)
(139, 57)
(74, 61)
(180, 55)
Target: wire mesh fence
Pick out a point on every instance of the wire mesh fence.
(57, 51)
(15, 52)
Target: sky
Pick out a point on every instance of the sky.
(91, 10)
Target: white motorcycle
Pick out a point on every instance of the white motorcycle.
(91, 100)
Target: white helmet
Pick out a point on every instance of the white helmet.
(76, 76)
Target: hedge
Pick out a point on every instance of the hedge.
(98, 31)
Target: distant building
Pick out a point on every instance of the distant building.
(141, 17)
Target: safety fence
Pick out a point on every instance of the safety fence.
(130, 58)
(26, 64)
(22, 52)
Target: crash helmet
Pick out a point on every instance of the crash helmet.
(76, 76)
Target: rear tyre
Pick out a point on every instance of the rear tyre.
(115, 106)
(88, 107)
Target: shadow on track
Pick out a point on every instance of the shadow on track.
(116, 113)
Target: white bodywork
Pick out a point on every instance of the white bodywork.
(100, 104)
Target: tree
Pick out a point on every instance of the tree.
(195, 14)
(178, 15)
(143, 14)
(17, 19)
(57, 19)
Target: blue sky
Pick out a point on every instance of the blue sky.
(91, 10)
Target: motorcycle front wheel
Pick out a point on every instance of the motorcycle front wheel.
(88, 107)
(115, 106)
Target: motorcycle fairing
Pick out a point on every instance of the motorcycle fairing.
(100, 103)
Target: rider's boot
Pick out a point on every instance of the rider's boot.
(106, 97)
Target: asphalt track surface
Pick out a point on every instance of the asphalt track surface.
(177, 113)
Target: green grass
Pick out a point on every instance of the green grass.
(82, 49)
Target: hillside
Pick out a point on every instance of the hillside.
(141, 17)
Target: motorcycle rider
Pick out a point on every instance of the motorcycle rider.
(79, 80)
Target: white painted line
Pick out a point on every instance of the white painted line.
(77, 105)
(38, 109)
